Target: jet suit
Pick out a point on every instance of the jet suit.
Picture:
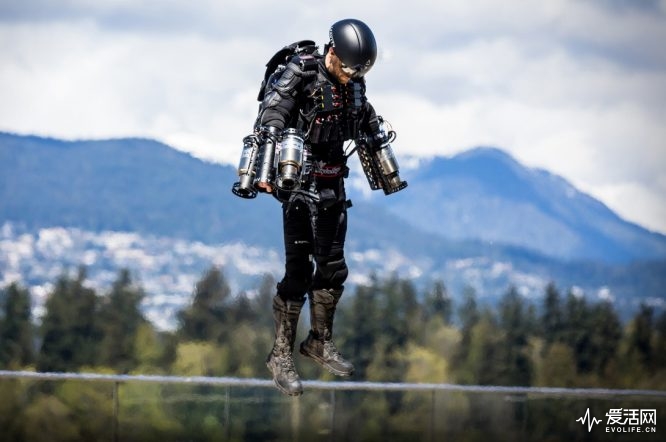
(307, 97)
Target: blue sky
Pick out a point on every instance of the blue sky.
(575, 87)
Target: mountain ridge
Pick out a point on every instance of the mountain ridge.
(486, 194)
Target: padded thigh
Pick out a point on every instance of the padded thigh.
(298, 244)
(331, 230)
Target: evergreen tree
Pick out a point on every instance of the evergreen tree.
(482, 363)
(241, 311)
(263, 302)
(576, 331)
(516, 367)
(359, 324)
(551, 320)
(468, 314)
(119, 320)
(438, 303)
(606, 333)
(393, 324)
(246, 335)
(532, 321)
(641, 336)
(205, 319)
(410, 313)
(660, 341)
(69, 330)
(16, 330)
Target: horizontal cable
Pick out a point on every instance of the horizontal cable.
(322, 385)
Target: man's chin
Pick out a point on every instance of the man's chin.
(343, 79)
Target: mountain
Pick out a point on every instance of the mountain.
(126, 185)
(485, 194)
(478, 219)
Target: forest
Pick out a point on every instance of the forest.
(390, 330)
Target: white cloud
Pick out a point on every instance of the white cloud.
(574, 87)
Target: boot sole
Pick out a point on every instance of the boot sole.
(323, 363)
(280, 387)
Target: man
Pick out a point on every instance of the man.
(324, 97)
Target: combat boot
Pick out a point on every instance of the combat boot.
(319, 344)
(280, 360)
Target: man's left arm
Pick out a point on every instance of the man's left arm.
(370, 125)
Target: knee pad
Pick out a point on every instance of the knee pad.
(331, 273)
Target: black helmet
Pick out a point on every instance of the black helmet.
(354, 45)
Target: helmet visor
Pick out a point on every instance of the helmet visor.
(357, 71)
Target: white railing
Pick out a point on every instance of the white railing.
(335, 389)
(333, 385)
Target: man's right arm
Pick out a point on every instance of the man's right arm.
(280, 101)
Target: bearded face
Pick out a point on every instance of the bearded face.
(334, 66)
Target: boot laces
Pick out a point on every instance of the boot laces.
(287, 365)
(331, 350)
(284, 359)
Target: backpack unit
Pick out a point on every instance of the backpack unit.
(279, 61)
